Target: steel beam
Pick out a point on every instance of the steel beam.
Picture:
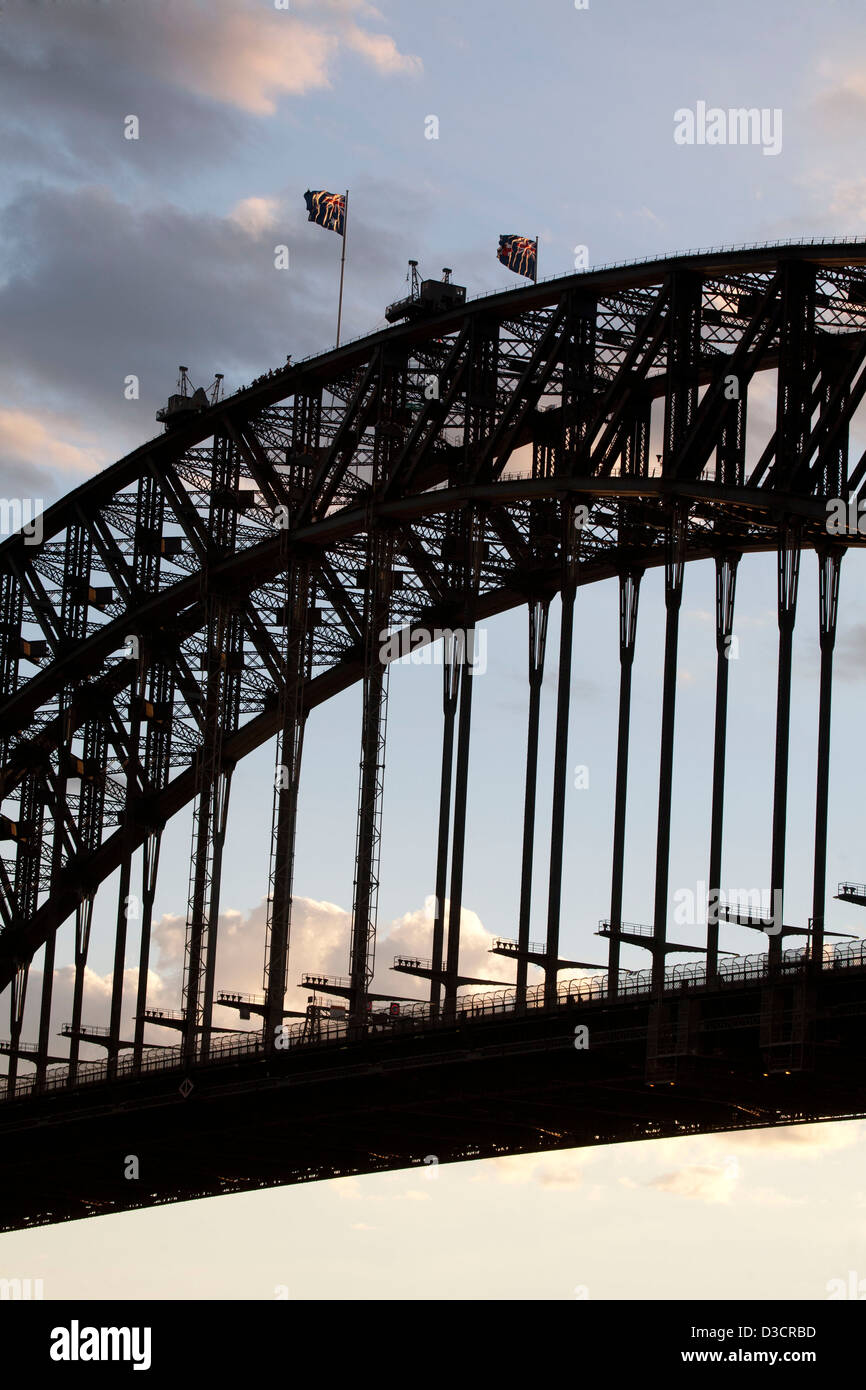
(569, 560)
(538, 611)
(149, 867)
(788, 572)
(17, 998)
(453, 670)
(83, 923)
(296, 672)
(386, 411)
(674, 567)
(470, 544)
(829, 564)
(629, 595)
(726, 582)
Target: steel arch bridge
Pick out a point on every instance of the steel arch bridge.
(204, 594)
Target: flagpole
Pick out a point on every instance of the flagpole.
(343, 264)
(535, 276)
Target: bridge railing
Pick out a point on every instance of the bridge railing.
(657, 258)
(583, 989)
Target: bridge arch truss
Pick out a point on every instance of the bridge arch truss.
(204, 594)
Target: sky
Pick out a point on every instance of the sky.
(124, 257)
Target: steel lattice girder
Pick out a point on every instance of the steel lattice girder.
(198, 516)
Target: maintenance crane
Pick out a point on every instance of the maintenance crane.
(187, 401)
(426, 297)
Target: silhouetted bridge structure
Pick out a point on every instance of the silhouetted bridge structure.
(205, 594)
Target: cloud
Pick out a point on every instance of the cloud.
(841, 103)
(381, 52)
(715, 1185)
(561, 1176)
(319, 945)
(255, 216)
(561, 1171)
(848, 200)
(836, 114)
(247, 59)
(240, 54)
(154, 287)
(126, 256)
(97, 1003)
(347, 1189)
(805, 1141)
(352, 1190)
(411, 935)
(704, 1183)
(40, 441)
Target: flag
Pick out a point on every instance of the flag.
(520, 254)
(327, 210)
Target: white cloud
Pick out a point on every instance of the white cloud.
(255, 215)
(562, 1170)
(841, 102)
(319, 945)
(702, 1182)
(237, 53)
(48, 440)
(248, 60)
(805, 1141)
(381, 52)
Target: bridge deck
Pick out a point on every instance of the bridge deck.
(753, 1052)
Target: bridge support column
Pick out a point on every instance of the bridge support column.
(24, 902)
(133, 774)
(629, 595)
(829, 563)
(48, 956)
(570, 550)
(538, 610)
(149, 865)
(83, 922)
(299, 625)
(453, 661)
(17, 998)
(380, 551)
(223, 661)
(90, 812)
(726, 583)
(119, 955)
(471, 552)
(674, 567)
(221, 811)
(155, 775)
(788, 578)
(209, 824)
(458, 844)
(197, 924)
(45, 1008)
